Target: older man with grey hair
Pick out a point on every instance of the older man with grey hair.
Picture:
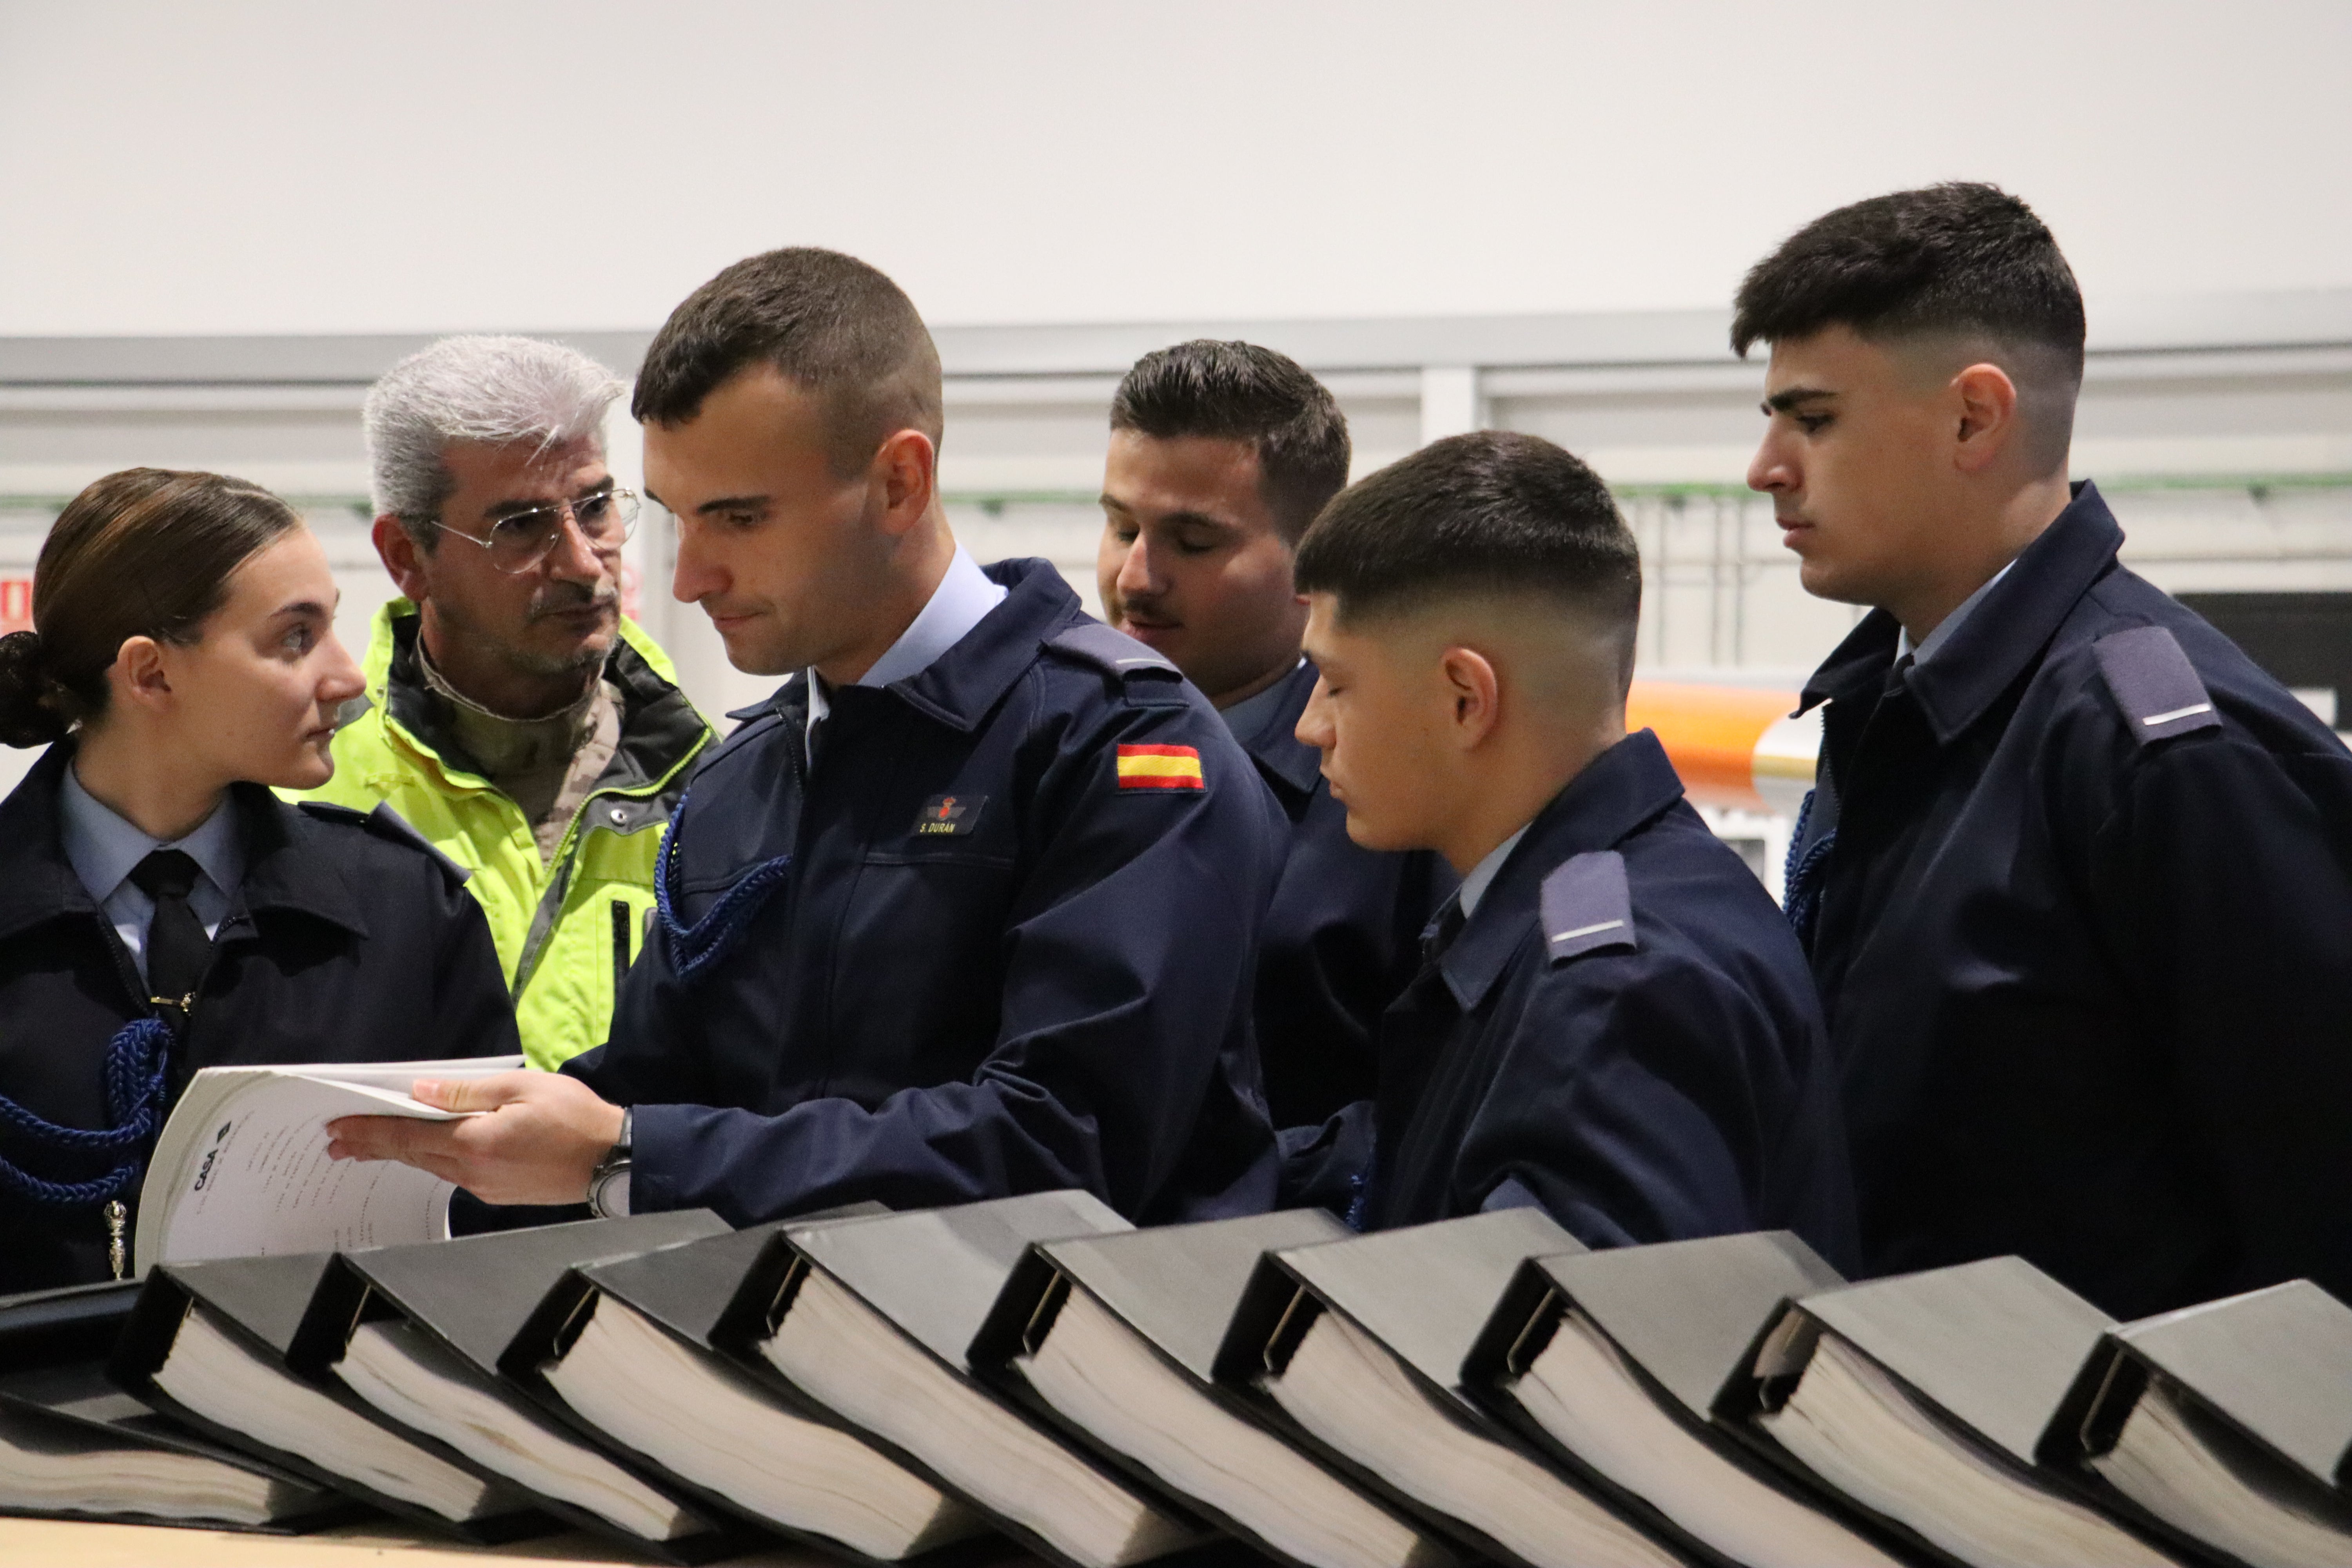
(513, 716)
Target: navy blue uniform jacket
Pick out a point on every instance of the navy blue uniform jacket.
(1622, 1032)
(351, 940)
(968, 960)
(2084, 936)
(1342, 937)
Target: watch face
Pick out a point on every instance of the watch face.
(612, 1194)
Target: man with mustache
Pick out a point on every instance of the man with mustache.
(1221, 454)
(512, 715)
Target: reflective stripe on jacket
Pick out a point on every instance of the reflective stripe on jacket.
(565, 928)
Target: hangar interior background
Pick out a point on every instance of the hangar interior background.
(217, 224)
(2218, 425)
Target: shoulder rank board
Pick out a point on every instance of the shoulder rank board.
(1586, 906)
(2154, 684)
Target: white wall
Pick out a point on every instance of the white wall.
(2220, 428)
(269, 166)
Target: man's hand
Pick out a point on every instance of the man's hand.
(538, 1143)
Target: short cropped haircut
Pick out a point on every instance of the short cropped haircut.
(494, 390)
(1495, 514)
(828, 322)
(1240, 391)
(1945, 260)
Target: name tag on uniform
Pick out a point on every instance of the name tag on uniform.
(1160, 767)
(949, 815)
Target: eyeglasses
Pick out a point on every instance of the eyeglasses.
(521, 539)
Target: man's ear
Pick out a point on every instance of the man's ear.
(1987, 416)
(138, 675)
(906, 469)
(1475, 692)
(402, 557)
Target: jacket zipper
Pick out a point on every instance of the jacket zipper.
(551, 903)
(620, 944)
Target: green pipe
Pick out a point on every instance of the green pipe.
(994, 501)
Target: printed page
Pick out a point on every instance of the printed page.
(242, 1168)
(398, 1077)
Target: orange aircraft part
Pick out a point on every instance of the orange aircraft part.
(1710, 733)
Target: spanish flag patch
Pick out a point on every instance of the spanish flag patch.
(1160, 767)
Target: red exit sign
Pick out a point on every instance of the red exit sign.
(15, 604)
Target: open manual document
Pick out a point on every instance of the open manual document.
(241, 1169)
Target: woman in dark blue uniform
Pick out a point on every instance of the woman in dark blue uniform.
(160, 911)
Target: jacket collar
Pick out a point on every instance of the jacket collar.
(291, 865)
(961, 601)
(660, 730)
(40, 884)
(1274, 745)
(960, 687)
(288, 867)
(1619, 791)
(2007, 631)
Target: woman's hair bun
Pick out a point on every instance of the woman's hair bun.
(25, 719)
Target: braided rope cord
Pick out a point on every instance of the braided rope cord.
(699, 946)
(1800, 890)
(137, 1059)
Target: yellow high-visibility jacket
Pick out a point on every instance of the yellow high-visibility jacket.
(566, 927)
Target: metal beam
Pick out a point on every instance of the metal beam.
(2293, 319)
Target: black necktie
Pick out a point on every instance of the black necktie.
(177, 947)
(1898, 678)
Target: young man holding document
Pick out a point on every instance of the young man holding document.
(967, 909)
(1612, 1020)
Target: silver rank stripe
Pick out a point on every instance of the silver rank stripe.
(1585, 931)
(2188, 712)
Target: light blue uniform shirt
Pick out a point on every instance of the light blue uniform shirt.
(960, 602)
(1947, 626)
(1482, 876)
(1248, 716)
(102, 848)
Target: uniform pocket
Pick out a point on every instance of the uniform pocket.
(920, 977)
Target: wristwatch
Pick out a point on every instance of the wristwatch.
(608, 1183)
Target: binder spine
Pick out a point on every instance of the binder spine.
(1266, 1300)
(343, 1300)
(549, 1337)
(548, 1333)
(1022, 1316)
(347, 1298)
(761, 1301)
(1768, 1371)
(154, 1323)
(1524, 1317)
(2091, 1417)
